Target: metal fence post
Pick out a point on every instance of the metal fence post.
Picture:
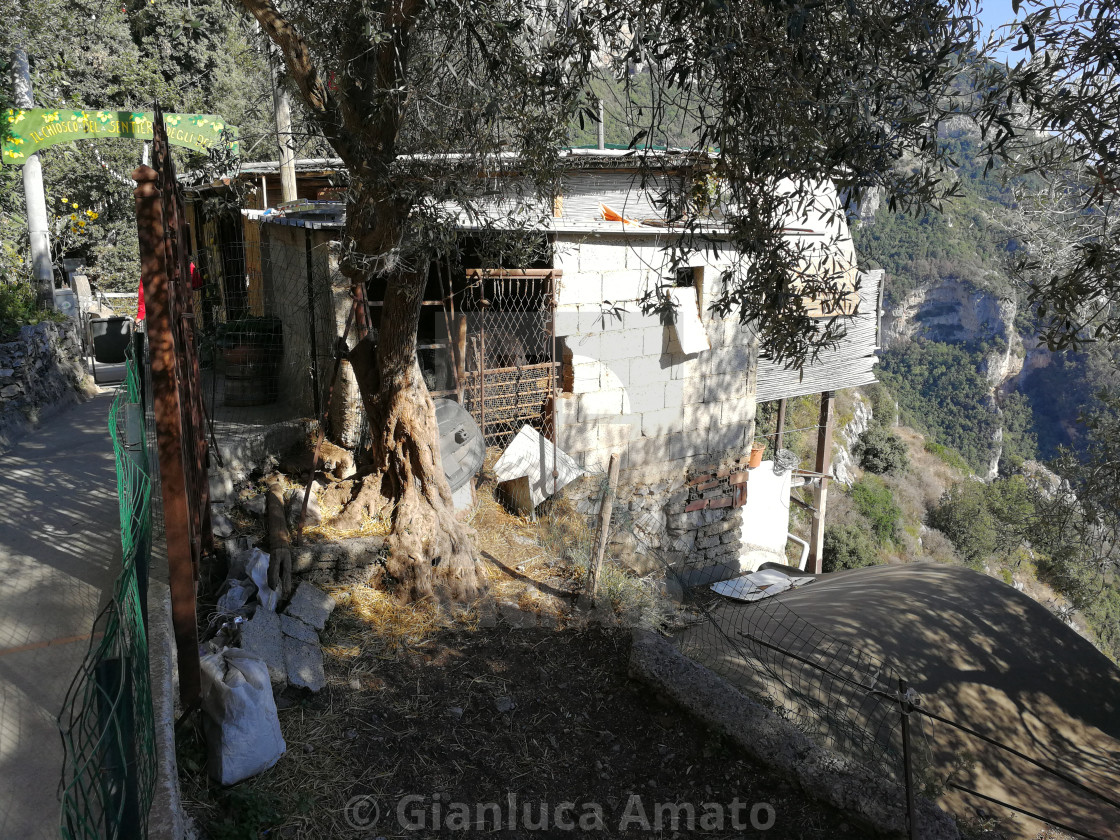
(169, 413)
(905, 707)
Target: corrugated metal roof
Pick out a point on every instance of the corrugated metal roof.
(848, 365)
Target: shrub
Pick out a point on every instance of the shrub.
(18, 308)
(874, 500)
(949, 456)
(964, 517)
(880, 451)
(847, 547)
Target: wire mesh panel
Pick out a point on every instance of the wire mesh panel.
(106, 721)
(509, 371)
(266, 297)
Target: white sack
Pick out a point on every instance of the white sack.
(239, 716)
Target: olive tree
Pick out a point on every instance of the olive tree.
(452, 113)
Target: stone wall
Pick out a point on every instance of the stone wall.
(689, 523)
(40, 371)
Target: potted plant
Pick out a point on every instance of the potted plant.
(757, 448)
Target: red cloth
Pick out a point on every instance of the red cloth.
(140, 303)
(196, 278)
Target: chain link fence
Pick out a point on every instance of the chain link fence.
(508, 369)
(106, 721)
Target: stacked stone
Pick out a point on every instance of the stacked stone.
(39, 370)
(689, 521)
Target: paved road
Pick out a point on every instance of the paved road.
(59, 552)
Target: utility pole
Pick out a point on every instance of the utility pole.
(37, 227)
(283, 107)
(602, 125)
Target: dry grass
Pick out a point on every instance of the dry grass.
(388, 629)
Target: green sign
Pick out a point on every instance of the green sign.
(26, 131)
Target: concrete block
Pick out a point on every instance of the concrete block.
(567, 320)
(614, 435)
(695, 390)
(576, 288)
(697, 418)
(615, 374)
(635, 319)
(647, 450)
(297, 629)
(579, 437)
(620, 344)
(603, 255)
(736, 358)
(686, 367)
(736, 411)
(726, 439)
(688, 443)
(619, 286)
(655, 340)
(304, 664)
(674, 393)
(311, 605)
(566, 410)
(648, 396)
(599, 405)
(661, 422)
(725, 386)
(595, 317)
(261, 636)
(649, 368)
(589, 345)
(586, 376)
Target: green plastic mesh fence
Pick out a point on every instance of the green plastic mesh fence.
(106, 722)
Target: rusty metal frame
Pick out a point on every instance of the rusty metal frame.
(176, 396)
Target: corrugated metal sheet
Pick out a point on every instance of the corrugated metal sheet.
(847, 366)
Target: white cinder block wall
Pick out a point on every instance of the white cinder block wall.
(632, 390)
(679, 422)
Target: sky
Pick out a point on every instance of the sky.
(995, 13)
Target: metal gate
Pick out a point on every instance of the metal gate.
(508, 370)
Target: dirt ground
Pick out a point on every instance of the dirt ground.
(479, 715)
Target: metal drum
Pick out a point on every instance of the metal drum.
(460, 443)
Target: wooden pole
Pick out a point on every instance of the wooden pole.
(782, 405)
(461, 357)
(279, 543)
(169, 432)
(605, 508)
(907, 761)
(824, 463)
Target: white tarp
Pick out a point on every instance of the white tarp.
(530, 456)
(687, 325)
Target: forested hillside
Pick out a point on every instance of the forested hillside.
(982, 405)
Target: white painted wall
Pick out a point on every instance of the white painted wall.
(765, 517)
